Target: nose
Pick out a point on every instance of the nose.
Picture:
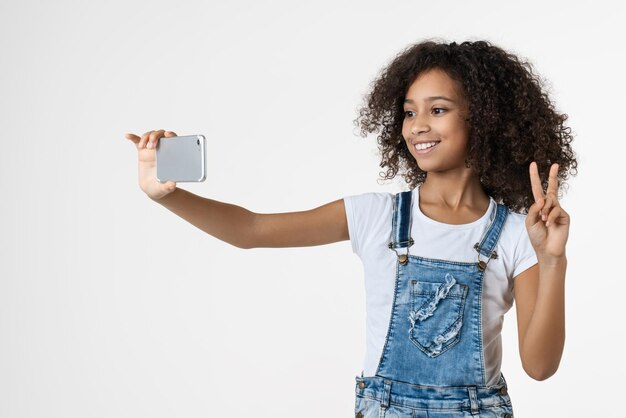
(419, 125)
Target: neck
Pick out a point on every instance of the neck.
(453, 190)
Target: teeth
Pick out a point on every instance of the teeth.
(425, 145)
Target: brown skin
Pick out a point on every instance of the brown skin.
(233, 224)
(539, 291)
(513, 121)
(451, 193)
(514, 127)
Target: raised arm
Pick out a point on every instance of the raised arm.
(233, 224)
(540, 290)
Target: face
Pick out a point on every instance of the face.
(434, 126)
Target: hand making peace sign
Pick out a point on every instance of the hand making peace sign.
(547, 222)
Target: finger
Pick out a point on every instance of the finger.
(144, 139)
(132, 137)
(555, 213)
(171, 185)
(533, 216)
(551, 203)
(553, 179)
(170, 134)
(535, 182)
(154, 138)
(558, 216)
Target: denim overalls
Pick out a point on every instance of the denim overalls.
(432, 362)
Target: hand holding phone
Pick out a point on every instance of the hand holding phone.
(146, 153)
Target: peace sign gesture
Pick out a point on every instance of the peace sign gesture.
(547, 222)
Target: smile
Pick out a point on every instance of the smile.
(425, 148)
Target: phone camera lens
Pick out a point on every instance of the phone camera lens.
(197, 142)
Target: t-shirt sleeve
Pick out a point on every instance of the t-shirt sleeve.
(350, 203)
(525, 256)
(364, 214)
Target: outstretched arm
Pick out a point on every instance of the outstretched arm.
(540, 290)
(234, 224)
(245, 229)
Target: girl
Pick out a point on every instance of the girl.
(474, 136)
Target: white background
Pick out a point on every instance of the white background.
(111, 306)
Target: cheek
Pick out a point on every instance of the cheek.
(405, 131)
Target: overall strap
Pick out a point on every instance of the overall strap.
(401, 225)
(490, 239)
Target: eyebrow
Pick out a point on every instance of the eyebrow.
(430, 99)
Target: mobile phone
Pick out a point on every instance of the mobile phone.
(181, 159)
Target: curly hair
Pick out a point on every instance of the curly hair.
(512, 122)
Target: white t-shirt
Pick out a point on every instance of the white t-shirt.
(369, 224)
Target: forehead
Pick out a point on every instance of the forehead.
(434, 82)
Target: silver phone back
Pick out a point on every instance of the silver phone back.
(181, 159)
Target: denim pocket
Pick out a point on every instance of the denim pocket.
(436, 316)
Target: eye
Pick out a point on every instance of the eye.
(436, 111)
